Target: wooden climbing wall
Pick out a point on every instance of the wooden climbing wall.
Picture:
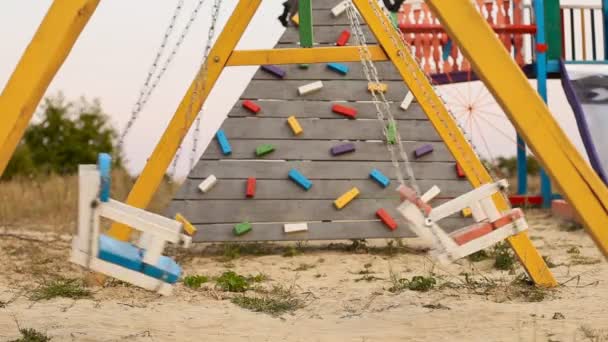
(279, 200)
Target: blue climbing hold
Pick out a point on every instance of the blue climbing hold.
(104, 165)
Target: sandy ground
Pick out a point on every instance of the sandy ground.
(344, 294)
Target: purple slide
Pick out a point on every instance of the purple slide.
(586, 87)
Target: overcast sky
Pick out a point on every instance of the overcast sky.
(112, 56)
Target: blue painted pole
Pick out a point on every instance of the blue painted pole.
(522, 167)
(541, 78)
(605, 15)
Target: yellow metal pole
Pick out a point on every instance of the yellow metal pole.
(45, 54)
(447, 128)
(579, 183)
(154, 171)
(303, 56)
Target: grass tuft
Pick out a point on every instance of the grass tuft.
(504, 258)
(479, 256)
(31, 335)
(195, 281)
(583, 260)
(573, 250)
(65, 288)
(275, 302)
(594, 335)
(417, 283)
(232, 282)
(291, 251)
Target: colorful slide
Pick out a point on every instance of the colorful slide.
(586, 87)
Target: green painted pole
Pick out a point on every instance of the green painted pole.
(553, 29)
(305, 14)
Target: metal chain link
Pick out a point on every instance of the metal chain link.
(197, 127)
(151, 82)
(199, 86)
(382, 109)
(401, 44)
(382, 105)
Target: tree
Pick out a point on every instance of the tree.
(64, 135)
(508, 166)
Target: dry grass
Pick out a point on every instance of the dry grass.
(50, 202)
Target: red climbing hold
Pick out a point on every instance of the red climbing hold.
(343, 110)
(386, 219)
(252, 107)
(343, 39)
(251, 187)
(459, 171)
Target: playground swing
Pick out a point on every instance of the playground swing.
(141, 263)
(491, 225)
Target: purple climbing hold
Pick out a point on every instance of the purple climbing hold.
(341, 149)
(275, 70)
(423, 150)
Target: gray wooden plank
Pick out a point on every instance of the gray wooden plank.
(321, 190)
(263, 169)
(234, 211)
(320, 71)
(351, 42)
(326, 34)
(322, 110)
(316, 231)
(324, 17)
(324, 4)
(332, 90)
(319, 150)
(258, 127)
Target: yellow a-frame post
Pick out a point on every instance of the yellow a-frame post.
(586, 192)
(45, 54)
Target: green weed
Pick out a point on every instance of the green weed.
(275, 302)
(291, 251)
(479, 256)
(504, 258)
(195, 281)
(66, 288)
(31, 335)
(232, 282)
(417, 283)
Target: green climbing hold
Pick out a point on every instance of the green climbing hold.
(242, 228)
(391, 133)
(303, 66)
(263, 150)
(394, 19)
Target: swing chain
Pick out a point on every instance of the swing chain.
(197, 127)
(401, 44)
(152, 81)
(199, 87)
(383, 111)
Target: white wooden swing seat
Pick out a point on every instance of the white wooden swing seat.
(140, 264)
(491, 226)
